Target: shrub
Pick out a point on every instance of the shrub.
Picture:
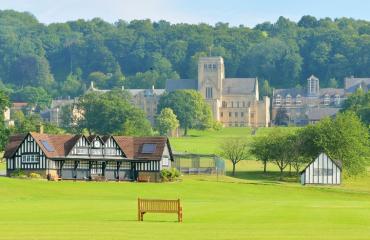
(35, 175)
(18, 174)
(169, 174)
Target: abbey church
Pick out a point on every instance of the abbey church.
(235, 102)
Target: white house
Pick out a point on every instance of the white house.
(322, 170)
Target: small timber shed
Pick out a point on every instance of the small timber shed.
(322, 170)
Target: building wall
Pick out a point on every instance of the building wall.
(322, 171)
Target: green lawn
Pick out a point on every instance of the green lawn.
(250, 205)
(232, 208)
(209, 141)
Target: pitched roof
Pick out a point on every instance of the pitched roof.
(173, 84)
(132, 146)
(233, 86)
(13, 143)
(61, 145)
(315, 114)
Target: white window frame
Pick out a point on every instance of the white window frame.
(31, 158)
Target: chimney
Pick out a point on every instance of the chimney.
(40, 128)
(152, 87)
(123, 87)
(92, 84)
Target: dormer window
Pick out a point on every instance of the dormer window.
(278, 100)
(298, 99)
(326, 99)
(288, 99)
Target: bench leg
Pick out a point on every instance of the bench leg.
(142, 216)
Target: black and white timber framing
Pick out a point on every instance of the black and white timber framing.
(322, 170)
(81, 157)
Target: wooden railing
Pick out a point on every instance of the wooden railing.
(159, 206)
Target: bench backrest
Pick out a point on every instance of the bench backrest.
(149, 205)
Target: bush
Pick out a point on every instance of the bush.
(169, 175)
(35, 176)
(18, 174)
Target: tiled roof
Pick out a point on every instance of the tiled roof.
(13, 144)
(233, 86)
(172, 84)
(62, 145)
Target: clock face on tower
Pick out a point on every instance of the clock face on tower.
(96, 143)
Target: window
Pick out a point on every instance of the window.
(337, 99)
(110, 151)
(30, 158)
(237, 104)
(326, 99)
(205, 67)
(82, 151)
(298, 99)
(229, 114)
(96, 151)
(209, 92)
(148, 148)
(278, 100)
(224, 104)
(47, 146)
(214, 66)
(243, 104)
(165, 161)
(221, 114)
(210, 67)
(236, 114)
(322, 172)
(232, 104)
(242, 114)
(288, 99)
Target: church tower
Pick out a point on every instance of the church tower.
(211, 73)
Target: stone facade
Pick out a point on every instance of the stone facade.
(234, 101)
(307, 105)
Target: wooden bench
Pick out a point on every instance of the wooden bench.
(159, 206)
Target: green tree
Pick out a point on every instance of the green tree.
(359, 102)
(236, 150)
(346, 139)
(166, 121)
(34, 96)
(136, 124)
(190, 108)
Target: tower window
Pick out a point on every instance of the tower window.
(209, 93)
(224, 104)
(214, 66)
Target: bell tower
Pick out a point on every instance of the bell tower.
(211, 73)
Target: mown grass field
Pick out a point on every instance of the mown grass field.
(250, 205)
(209, 141)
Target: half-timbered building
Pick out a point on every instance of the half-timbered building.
(322, 170)
(88, 157)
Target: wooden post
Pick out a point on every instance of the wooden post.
(138, 210)
(118, 167)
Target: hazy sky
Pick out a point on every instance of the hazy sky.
(247, 12)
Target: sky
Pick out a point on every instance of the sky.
(235, 12)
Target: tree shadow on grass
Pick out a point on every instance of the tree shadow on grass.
(268, 177)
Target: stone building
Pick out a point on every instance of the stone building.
(306, 105)
(234, 101)
(351, 84)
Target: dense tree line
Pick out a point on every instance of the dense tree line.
(63, 57)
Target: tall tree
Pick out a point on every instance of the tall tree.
(236, 150)
(190, 108)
